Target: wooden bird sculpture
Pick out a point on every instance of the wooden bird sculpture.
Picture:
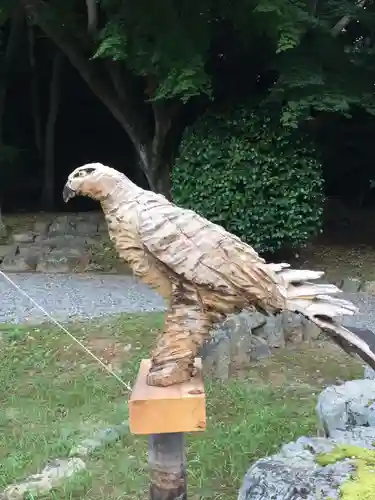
(203, 271)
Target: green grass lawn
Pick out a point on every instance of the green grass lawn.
(53, 395)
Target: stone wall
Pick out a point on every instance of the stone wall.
(62, 243)
(245, 338)
(79, 242)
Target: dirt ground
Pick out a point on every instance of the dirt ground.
(346, 248)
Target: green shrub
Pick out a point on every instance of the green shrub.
(261, 182)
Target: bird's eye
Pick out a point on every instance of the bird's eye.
(81, 173)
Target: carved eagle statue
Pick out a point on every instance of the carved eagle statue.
(203, 271)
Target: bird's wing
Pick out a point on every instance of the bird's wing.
(205, 253)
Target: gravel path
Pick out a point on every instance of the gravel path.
(89, 296)
(67, 296)
(366, 305)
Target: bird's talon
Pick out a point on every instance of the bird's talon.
(170, 374)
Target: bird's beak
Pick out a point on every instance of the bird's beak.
(68, 193)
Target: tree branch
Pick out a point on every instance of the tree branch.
(90, 71)
(344, 21)
(92, 16)
(34, 90)
(17, 19)
(118, 90)
(164, 114)
(312, 6)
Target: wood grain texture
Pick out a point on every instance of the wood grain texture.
(177, 408)
(167, 463)
(204, 272)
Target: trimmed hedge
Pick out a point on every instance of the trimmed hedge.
(260, 182)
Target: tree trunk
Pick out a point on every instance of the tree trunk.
(34, 91)
(49, 148)
(15, 33)
(160, 171)
(17, 19)
(163, 182)
(165, 144)
(115, 86)
(3, 229)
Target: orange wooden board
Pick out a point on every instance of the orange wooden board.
(178, 408)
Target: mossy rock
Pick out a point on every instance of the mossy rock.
(362, 485)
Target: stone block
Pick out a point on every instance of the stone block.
(27, 237)
(272, 331)
(292, 327)
(6, 250)
(368, 287)
(348, 405)
(52, 476)
(351, 285)
(310, 331)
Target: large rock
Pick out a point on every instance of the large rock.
(347, 406)
(69, 240)
(53, 474)
(87, 227)
(103, 226)
(293, 328)
(27, 237)
(19, 259)
(361, 436)
(3, 230)
(31, 255)
(216, 357)
(64, 243)
(310, 331)
(272, 331)
(103, 437)
(6, 249)
(369, 373)
(293, 474)
(368, 287)
(41, 227)
(247, 337)
(74, 224)
(61, 225)
(233, 345)
(297, 472)
(63, 261)
(351, 285)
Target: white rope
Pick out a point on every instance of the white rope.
(59, 325)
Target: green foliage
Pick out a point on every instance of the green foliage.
(260, 181)
(161, 43)
(315, 71)
(325, 71)
(174, 44)
(6, 7)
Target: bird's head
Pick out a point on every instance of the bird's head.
(94, 180)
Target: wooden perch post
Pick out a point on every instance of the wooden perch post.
(165, 414)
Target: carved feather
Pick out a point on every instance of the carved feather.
(165, 244)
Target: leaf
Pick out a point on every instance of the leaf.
(268, 192)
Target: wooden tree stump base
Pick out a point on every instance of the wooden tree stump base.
(165, 413)
(176, 408)
(167, 464)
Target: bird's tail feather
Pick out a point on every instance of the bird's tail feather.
(316, 302)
